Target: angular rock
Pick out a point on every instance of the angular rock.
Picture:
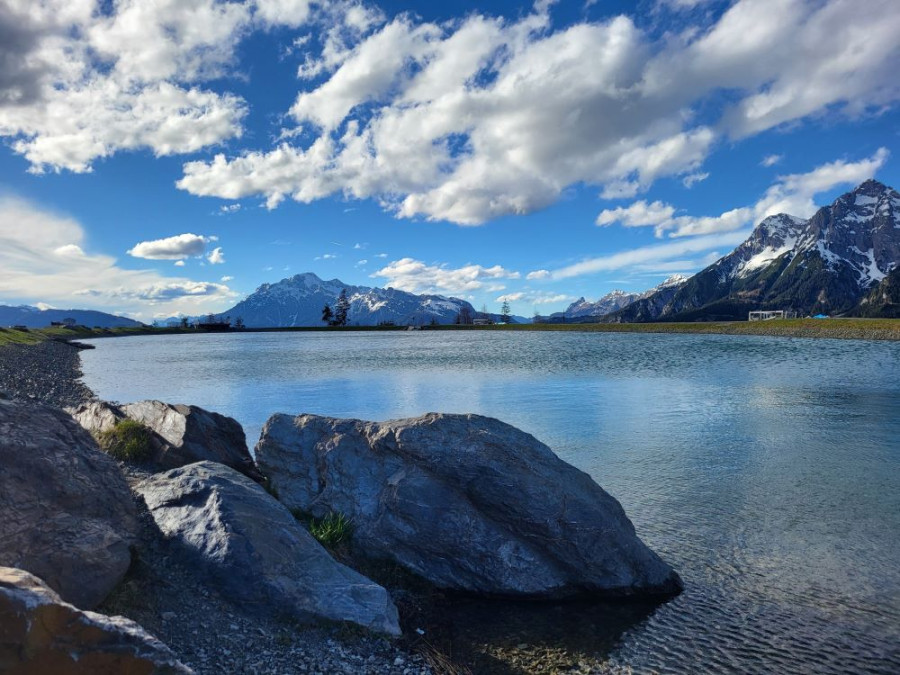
(256, 550)
(183, 434)
(97, 416)
(467, 502)
(39, 633)
(67, 513)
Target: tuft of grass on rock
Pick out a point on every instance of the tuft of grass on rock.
(128, 441)
(332, 530)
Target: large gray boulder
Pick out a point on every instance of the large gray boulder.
(257, 552)
(39, 633)
(66, 513)
(182, 434)
(465, 501)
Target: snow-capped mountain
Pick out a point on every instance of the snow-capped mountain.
(614, 301)
(298, 301)
(826, 264)
(883, 301)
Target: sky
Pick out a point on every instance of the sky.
(167, 158)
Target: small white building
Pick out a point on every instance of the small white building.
(767, 314)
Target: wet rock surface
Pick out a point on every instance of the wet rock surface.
(257, 552)
(466, 502)
(39, 633)
(67, 513)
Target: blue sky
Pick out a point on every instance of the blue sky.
(169, 157)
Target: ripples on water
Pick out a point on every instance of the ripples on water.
(766, 470)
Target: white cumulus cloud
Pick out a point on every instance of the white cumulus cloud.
(216, 256)
(415, 276)
(84, 79)
(171, 248)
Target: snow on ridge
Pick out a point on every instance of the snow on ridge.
(674, 280)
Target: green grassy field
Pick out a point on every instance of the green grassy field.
(848, 329)
(34, 335)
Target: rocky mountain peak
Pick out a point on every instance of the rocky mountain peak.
(826, 263)
(674, 280)
(872, 187)
(298, 301)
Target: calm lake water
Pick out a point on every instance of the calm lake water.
(765, 470)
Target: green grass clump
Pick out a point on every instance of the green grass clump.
(128, 441)
(332, 530)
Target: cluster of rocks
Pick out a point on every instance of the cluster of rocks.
(463, 502)
(47, 372)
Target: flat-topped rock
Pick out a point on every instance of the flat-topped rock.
(467, 502)
(182, 434)
(39, 633)
(67, 513)
(257, 552)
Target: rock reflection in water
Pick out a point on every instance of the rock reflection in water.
(510, 637)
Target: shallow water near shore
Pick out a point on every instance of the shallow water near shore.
(765, 470)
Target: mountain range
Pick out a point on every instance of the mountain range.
(298, 301)
(584, 310)
(34, 317)
(831, 263)
(845, 259)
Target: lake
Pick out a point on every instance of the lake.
(765, 470)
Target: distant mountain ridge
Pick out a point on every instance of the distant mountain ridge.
(826, 264)
(298, 301)
(34, 317)
(613, 301)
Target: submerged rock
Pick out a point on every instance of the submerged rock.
(67, 513)
(256, 550)
(467, 502)
(39, 633)
(183, 434)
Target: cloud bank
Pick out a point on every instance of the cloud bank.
(484, 117)
(43, 260)
(792, 194)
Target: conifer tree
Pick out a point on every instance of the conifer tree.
(341, 308)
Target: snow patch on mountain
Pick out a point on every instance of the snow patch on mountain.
(614, 300)
(299, 300)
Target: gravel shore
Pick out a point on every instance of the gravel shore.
(48, 371)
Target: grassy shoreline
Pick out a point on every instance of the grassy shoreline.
(842, 329)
